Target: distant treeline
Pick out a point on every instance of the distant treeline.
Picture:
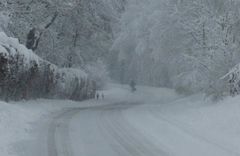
(23, 75)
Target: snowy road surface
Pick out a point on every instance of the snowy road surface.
(100, 130)
(151, 122)
(127, 129)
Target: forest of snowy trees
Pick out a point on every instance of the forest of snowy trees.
(189, 45)
(24, 75)
(71, 37)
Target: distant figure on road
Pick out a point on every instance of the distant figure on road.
(97, 96)
(133, 86)
(102, 96)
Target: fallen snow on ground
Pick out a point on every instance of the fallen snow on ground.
(143, 94)
(182, 126)
(191, 126)
(13, 126)
(18, 120)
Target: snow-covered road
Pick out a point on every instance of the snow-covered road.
(151, 122)
(128, 129)
(100, 130)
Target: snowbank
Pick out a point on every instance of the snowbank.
(10, 47)
(25, 75)
(20, 122)
(14, 126)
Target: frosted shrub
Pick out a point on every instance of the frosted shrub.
(24, 75)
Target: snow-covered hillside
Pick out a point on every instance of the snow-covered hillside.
(25, 75)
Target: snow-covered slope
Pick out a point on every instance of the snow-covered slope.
(26, 75)
(10, 47)
(14, 126)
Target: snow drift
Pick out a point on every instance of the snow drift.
(25, 75)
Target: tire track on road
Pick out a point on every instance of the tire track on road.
(129, 138)
(191, 132)
(123, 138)
(58, 134)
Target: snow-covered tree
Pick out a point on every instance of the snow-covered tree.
(59, 30)
(185, 44)
(24, 75)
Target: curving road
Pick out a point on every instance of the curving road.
(97, 131)
(123, 129)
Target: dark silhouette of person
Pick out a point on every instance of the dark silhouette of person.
(102, 96)
(133, 86)
(97, 96)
